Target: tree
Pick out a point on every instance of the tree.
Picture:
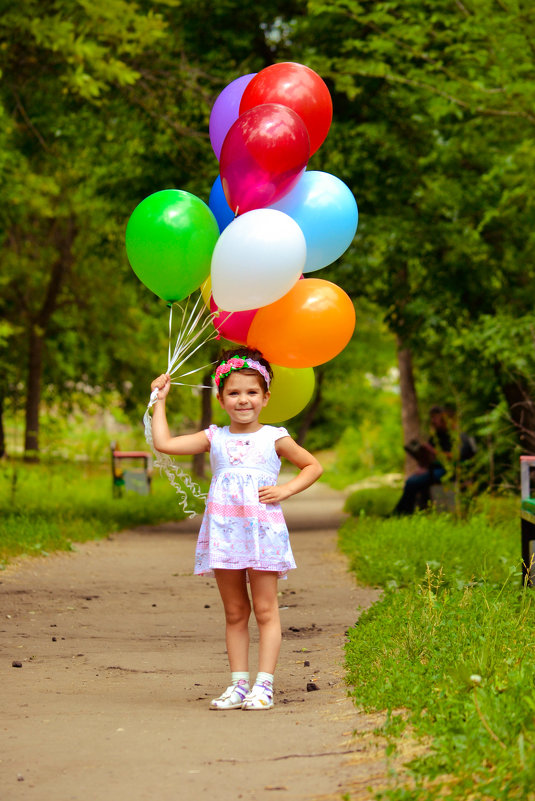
(117, 108)
(473, 56)
(439, 156)
(62, 143)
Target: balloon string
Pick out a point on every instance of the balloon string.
(169, 340)
(191, 330)
(173, 472)
(193, 326)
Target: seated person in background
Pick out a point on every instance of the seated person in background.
(430, 468)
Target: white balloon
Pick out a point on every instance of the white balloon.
(256, 260)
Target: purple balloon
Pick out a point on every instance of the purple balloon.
(226, 111)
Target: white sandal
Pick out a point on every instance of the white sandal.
(232, 698)
(260, 697)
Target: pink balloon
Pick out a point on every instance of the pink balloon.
(234, 326)
(226, 110)
(263, 156)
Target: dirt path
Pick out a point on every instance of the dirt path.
(122, 648)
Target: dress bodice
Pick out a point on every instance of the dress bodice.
(251, 453)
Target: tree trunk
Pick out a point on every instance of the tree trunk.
(199, 460)
(62, 236)
(2, 431)
(410, 420)
(522, 412)
(33, 394)
(310, 413)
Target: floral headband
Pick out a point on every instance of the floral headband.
(237, 363)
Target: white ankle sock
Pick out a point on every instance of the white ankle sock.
(262, 677)
(238, 675)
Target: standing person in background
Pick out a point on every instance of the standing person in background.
(243, 537)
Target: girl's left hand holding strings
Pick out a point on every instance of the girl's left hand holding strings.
(162, 384)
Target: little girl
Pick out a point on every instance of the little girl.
(243, 536)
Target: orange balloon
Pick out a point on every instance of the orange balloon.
(309, 325)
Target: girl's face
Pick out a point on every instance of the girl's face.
(243, 398)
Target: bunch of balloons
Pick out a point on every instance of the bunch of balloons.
(268, 224)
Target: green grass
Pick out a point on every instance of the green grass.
(452, 643)
(396, 552)
(48, 507)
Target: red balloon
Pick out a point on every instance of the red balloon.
(297, 87)
(234, 326)
(263, 156)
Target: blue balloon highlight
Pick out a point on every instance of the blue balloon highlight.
(327, 213)
(219, 206)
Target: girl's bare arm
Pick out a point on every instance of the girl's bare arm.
(309, 472)
(185, 445)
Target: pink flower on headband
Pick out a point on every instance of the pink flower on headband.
(237, 363)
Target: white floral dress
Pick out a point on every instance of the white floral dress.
(237, 530)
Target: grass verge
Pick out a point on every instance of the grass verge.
(48, 507)
(452, 644)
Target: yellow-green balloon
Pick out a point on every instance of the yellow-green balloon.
(291, 390)
(170, 238)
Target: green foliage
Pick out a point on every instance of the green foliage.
(50, 507)
(82, 429)
(70, 178)
(373, 447)
(467, 56)
(87, 41)
(438, 150)
(450, 646)
(372, 501)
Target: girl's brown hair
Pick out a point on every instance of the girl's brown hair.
(244, 352)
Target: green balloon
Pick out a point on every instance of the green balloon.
(291, 390)
(170, 238)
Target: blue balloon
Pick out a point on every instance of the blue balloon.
(219, 206)
(326, 211)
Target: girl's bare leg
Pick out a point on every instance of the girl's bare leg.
(232, 587)
(264, 587)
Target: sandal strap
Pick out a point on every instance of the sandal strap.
(241, 688)
(234, 695)
(260, 697)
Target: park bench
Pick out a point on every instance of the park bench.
(527, 519)
(131, 470)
